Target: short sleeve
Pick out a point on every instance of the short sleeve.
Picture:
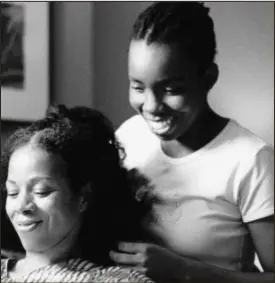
(257, 189)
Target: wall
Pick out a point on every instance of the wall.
(245, 90)
(73, 51)
(245, 37)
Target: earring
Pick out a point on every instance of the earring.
(83, 205)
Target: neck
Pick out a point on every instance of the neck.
(201, 131)
(206, 127)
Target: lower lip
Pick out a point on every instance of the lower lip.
(28, 228)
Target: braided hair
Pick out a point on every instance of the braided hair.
(85, 140)
(185, 23)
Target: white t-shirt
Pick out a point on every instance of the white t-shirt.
(201, 202)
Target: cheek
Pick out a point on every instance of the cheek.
(10, 208)
(177, 103)
(187, 104)
(59, 211)
(135, 99)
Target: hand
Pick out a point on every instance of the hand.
(11, 254)
(158, 263)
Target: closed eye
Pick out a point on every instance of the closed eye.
(12, 194)
(175, 90)
(137, 88)
(42, 193)
(11, 189)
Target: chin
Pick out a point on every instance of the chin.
(165, 136)
(33, 245)
(33, 248)
(173, 134)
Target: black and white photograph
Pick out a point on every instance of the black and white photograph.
(137, 141)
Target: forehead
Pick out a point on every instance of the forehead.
(30, 159)
(157, 59)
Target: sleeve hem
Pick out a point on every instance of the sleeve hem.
(257, 216)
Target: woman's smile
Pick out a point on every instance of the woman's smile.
(161, 125)
(27, 226)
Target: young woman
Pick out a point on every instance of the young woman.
(211, 186)
(68, 199)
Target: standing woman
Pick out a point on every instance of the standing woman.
(211, 186)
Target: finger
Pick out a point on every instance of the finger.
(127, 259)
(11, 254)
(132, 247)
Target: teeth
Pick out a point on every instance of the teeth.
(161, 125)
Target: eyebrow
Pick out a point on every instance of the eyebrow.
(33, 180)
(164, 80)
(172, 80)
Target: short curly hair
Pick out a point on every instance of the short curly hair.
(185, 23)
(84, 138)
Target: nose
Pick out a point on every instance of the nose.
(25, 203)
(151, 103)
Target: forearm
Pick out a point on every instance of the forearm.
(194, 271)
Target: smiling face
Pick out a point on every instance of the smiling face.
(39, 202)
(165, 88)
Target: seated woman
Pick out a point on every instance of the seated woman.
(65, 194)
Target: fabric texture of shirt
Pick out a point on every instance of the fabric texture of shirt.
(75, 270)
(200, 203)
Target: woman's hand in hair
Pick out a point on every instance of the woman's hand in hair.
(158, 263)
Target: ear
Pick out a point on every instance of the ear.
(85, 197)
(211, 76)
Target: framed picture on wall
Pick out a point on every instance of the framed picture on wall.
(25, 60)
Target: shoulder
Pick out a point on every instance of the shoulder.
(250, 162)
(245, 153)
(242, 143)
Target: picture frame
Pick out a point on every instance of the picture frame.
(25, 60)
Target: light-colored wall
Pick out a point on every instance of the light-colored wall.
(73, 51)
(245, 90)
(245, 36)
